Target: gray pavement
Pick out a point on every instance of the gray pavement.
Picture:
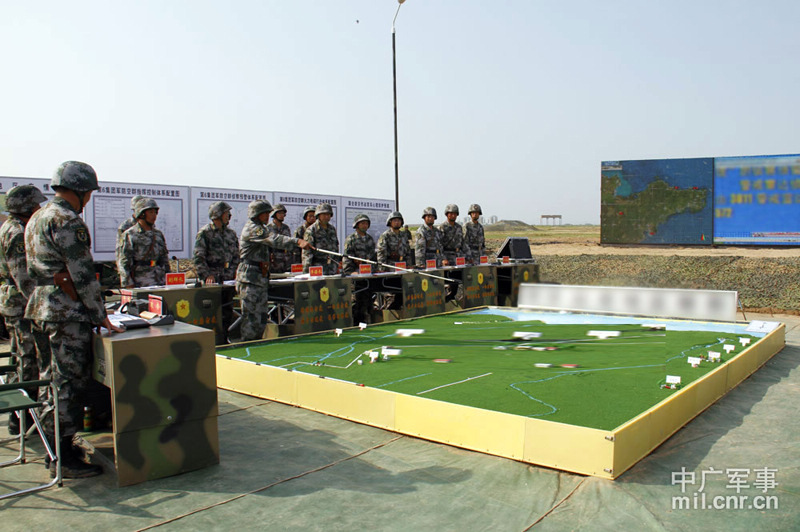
(284, 468)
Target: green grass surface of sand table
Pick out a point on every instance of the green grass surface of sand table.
(472, 358)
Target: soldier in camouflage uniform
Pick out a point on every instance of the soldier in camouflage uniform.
(66, 303)
(15, 288)
(321, 235)
(216, 247)
(428, 244)
(393, 247)
(393, 244)
(473, 234)
(308, 218)
(360, 245)
(453, 236)
(252, 276)
(280, 261)
(144, 259)
(126, 224)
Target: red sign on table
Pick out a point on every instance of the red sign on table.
(315, 271)
(297, 268)
(176, 279)
(365, 268)
(506, 260)
(430, 264)
(400, 264)
(155, 304)
(460, 261)
(125, 296)
(484, 259)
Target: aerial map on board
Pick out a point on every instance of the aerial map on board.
(657, 202)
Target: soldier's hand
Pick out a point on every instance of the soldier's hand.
(303, 244)
(111, 327)
(210, 280)
(445, 262)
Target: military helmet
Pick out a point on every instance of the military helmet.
(135, 200)
(392, 216)
(324, 208)
(452, 207)
(76, 176)
(23, 199)
(258, 207)
(309, 209)
(144, 204)
(217, 209)
(475, 208)
(429, 210)
(361, 218)
(278, 207)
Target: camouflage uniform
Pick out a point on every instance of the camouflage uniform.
(216, 252)
(393, 246)
(453, 242)
(322, 238)
(362, 247)
(144, 259)
(428, 245)
(16, 286)
(252, 276)
(125, 225)
(280, 261)
(57, 241)
(300, 232)
(474, 238)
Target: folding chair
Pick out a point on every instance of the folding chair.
(14, 399)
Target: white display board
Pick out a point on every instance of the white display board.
(203, 198)
(6, 183)
(111, 205)
(377, 210)
(296, 203)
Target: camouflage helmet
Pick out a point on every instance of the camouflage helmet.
(310, 209)
(429, 210)
(361, 218)
(144, 204)
(323, 208)
(452, 207)
(278, 207)
(75, 176)
(257, 208)
(135, 200)
(23, 199)
(217, 209)
(392, 216)
(475, 208)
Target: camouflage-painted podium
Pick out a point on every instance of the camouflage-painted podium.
(320, 304)
(510, 276)
(478, 285)
(163, 385)
(201, 306)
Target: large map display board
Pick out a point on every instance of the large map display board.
(377, 210)
(203, 198)
(111, 205)
(666, 201)
(757, 200)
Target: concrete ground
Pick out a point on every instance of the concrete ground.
(284, 468)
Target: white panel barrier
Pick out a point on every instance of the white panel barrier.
(714, 305)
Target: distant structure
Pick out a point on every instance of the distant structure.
(551, 217)
(492, 219)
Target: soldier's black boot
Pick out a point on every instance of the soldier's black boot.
(71, 464)
(13, 424)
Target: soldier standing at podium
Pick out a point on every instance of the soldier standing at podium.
(428, 245)
(66, 304)
(308, 219)
(359, 245)
(216, 247)
(252, 276)
(280, 261)
(144, 259)
(453, 236)
(321, 235)
(474, 238)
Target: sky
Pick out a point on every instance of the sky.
(512, 104)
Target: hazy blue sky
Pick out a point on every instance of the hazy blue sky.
(509, 103)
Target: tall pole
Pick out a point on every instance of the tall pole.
(394, 83)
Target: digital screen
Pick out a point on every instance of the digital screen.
(662, 201)
(757, 200)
